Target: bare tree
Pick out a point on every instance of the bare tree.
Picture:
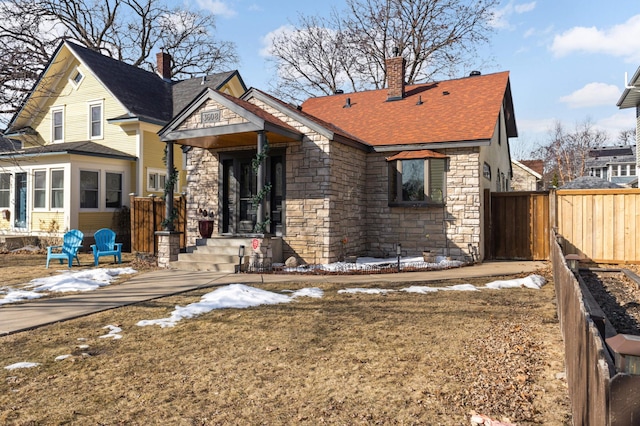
(436, 37)
(627, 137)
(127, 30)
(566, 153)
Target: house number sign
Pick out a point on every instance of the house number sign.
(210, 116)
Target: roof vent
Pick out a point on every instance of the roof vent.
(348, 104)
(474, 73)
(445, 93)
(338, 92)
(419, 100)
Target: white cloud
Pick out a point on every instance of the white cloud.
(622, 120)
(217, 7)
(267, 40)
(622, 40)
(501, 16)
(592, 94)
(525, 7)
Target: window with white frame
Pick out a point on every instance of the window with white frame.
(76, 78)
(417, 181)
(57, 124)
(95, 120)
(57, 189)
(113, 190)
(89, 189)
(156, 179)
(623, 170)
(5, 189)
(39, 189)
(632, 170)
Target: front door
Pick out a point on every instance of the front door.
(20, 213)
(240, 186)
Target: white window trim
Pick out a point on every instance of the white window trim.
(33, 189)
(90, 105)
(75, 72)
(50, 189)
(89, 209)
(10, 190)
(159, 172)
(122, 201)
(52, 112)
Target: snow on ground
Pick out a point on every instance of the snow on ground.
(230, 296)
(243, 296)
(67, 281)
(18, 365)
(373, 263)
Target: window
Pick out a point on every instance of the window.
(88, 189)
(39, 189)
(5, 189)
(623, 170)
(614, 170)
(95, 121)
(417, 181)
(632, 170)
(57, 189)
(156, 179)
(57, 122)
(486, 171)
(77, 78)
(114, 190)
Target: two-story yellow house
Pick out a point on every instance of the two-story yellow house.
(86, 137)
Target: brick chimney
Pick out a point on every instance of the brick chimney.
(163, 60)
(395, 77)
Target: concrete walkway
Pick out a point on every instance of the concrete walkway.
(162, 283)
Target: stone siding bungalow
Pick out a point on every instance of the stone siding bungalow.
(351, 174)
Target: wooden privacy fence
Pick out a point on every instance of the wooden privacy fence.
(147, 214)
(517, 225)
(602, 225)
(599, 395)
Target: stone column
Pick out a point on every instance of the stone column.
(168, 247)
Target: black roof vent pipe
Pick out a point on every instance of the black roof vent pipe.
(348, 104)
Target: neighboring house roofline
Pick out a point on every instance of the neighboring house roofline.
(630, 97)
(527, 169)
(87, 148)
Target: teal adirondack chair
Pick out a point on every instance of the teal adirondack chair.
(71, 243)
(106, 246)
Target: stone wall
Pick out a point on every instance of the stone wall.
(202, 190)
(447, 229)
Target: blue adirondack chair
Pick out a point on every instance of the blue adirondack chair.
(71, 243)
(106, 246)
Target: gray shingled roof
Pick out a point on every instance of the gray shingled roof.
(589, 182)
(9, 145)
(143, 93)
(87, 148)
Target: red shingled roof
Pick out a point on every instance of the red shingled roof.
(465, 109)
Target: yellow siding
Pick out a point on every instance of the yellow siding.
(153, 155)
(48, 222)
(75, 102)
(90, 222)
(5, 224)
(233, 87)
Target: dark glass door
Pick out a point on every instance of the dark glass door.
(248, 182)
(20, 213)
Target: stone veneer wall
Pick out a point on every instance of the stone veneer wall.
(450, 228)
(325, 200)
(202, 190)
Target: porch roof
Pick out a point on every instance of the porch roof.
(233, 133)
(86, 148)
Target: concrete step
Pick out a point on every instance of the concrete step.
(215, 250)
(198, 256)
(224, 242)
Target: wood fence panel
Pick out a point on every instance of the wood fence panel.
(147, 215)
(602, 225)
(519, 225)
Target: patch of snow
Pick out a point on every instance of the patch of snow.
(63, 357)
(22, 365)
(365, 290)
(231, 296)
(532, 281)
(87, 280)
(314, 292)
(113, 332)
(14, 296)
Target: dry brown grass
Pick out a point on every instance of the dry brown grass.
(343, 359)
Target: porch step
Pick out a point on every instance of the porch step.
(217, 254)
